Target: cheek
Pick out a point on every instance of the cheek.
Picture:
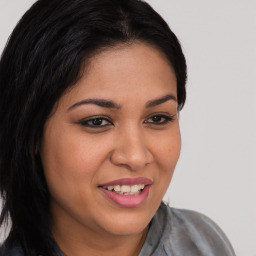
(64, 162)
(71, 163)
(70, 155)
(168, 150)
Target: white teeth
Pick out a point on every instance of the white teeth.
(117, 188)
(110, 187)
(126, 189)
(141, 186)
(135, 188)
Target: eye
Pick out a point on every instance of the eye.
(159, 119)
(97, 122)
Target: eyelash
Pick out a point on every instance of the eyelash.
(101, 119)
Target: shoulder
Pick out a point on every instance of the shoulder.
(193, 231)
(13, 251)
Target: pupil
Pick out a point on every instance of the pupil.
(157, 118)
(97, 121)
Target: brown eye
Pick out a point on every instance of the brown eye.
(159, 119)
(97, 122)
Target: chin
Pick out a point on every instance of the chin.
(127, 224)
(128, 230)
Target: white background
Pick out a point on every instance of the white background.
(216, 171)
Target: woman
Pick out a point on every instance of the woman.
(90, 93)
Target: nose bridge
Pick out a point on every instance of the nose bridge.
(131, 148)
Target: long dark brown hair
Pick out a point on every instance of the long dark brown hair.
(43, 57)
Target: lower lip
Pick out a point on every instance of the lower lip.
(127, 200)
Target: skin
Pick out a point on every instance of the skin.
(127, 143)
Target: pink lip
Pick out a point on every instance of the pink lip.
(127, 200)
(128, 181)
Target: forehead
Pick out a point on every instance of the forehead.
(126, 72)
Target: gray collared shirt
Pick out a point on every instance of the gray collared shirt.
(175, 232)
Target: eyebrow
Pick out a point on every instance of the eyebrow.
(99, 102)
(110, 104)
(153, 103)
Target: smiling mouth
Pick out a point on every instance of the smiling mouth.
(127, 192)
(126, 189)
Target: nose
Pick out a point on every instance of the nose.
(131, 150)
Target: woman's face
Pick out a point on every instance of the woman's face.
(110, 147)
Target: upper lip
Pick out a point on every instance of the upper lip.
(128, 181)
